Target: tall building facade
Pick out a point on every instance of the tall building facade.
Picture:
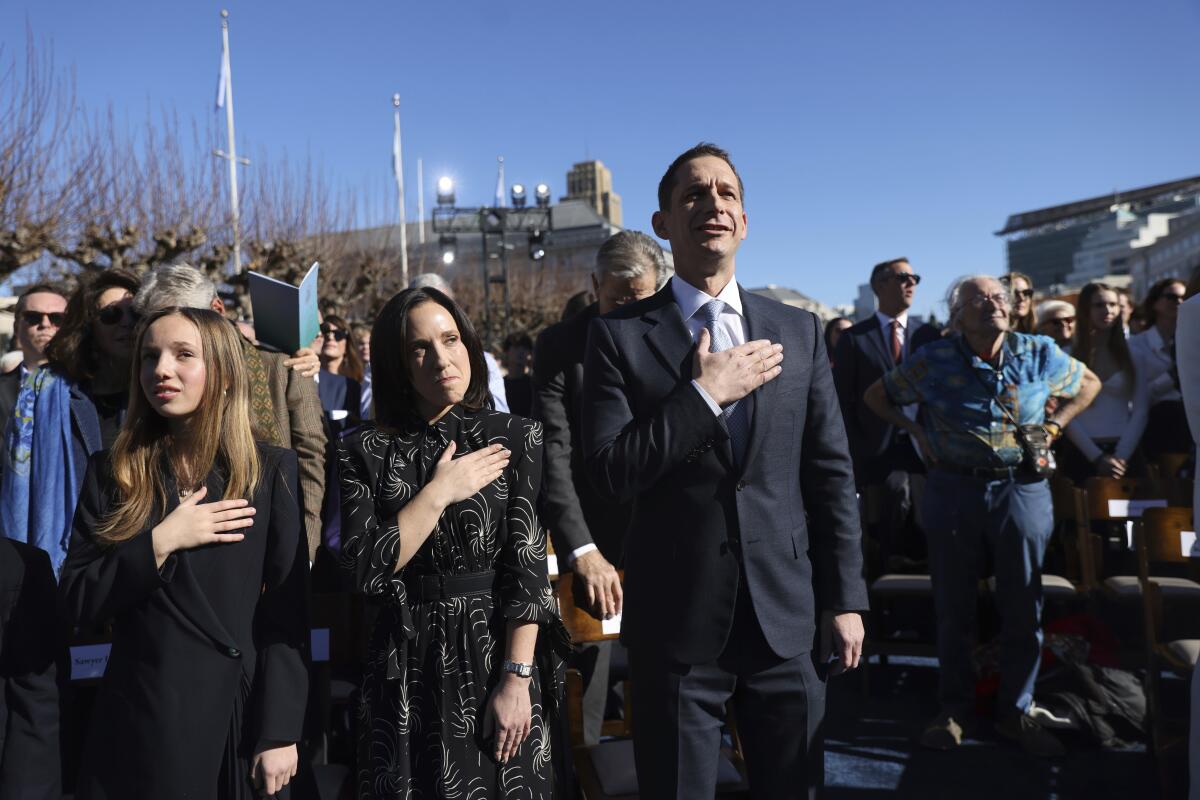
(591, 182)
(1076, 242)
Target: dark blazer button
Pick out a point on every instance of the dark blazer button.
(234, 652)
(741, 485)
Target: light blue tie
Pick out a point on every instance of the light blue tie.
(736, 414)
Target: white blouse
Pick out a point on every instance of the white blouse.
(1118, 413)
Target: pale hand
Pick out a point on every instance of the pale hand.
(842, 635)
(731, 374)
(509, 716)
(456, 479)
(1110, 466)
(273, 768)
(193, 524)
(305, 362)
(601, 583)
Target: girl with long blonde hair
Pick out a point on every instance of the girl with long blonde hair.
(1104, 436)
(187, 538)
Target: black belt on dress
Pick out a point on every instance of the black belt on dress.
(430, 587)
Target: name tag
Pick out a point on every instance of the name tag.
(611, 626)
(1132, 508)
(89, 661)
(552, 565)
(1187, 544)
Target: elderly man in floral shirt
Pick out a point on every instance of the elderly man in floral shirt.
(975, 387)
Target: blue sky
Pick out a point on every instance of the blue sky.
(863, 130)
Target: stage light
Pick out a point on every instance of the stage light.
(445, 191)
(537, 246)
(542, 193)
(449, 246)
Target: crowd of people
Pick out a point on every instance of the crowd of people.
(697, 456)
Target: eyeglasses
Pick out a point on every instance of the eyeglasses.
(1061, 322)
(999, 299)
(34, 318)
(118, 312)
(338, 334)
(1023, 294)
(903, 277)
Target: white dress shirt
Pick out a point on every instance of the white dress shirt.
(885, 322)
(1187, 352)
(690, 300)
(496, 382)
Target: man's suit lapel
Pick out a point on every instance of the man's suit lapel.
(876, 336)
(671, 342)
(761, 325)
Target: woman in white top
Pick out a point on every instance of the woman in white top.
(1106, 433)
(1154, 354)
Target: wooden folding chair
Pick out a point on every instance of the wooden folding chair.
(1164, 542)
(606, 770)
(1112, 504)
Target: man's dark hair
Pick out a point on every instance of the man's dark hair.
(518, 340)
(394, 394)
(39, 288)
(878, 269)
(667, 184)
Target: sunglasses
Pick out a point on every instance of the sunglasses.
(338, 334)
(114, 314)
(34, 318)
(1172, 297)
(1062, 322)
(1023, 294)
(904, 277)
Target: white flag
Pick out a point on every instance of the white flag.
(223, 80)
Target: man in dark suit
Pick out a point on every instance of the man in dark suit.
(37, 317)
(745, 528)
(884, 456)
(31, 652)
(588, 531)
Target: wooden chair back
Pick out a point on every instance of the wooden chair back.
(1119, 499)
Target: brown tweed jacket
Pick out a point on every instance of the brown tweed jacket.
(298, 417)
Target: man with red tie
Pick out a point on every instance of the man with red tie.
(883, 455)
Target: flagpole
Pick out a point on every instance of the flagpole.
(231, 143)
(420, 204)
(398, 168)
(421, 212)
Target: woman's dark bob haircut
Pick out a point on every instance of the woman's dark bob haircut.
(395, 396)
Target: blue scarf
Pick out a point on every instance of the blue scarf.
(38, 494)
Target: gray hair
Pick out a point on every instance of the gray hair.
(431, 280)
(1053, 307)
(954, 297)
(174, 285)
(628, 254)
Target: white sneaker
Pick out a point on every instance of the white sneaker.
(1048, 719)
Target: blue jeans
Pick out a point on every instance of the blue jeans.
(1011, 522)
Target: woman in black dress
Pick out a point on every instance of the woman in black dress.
(439, 525)
(205, 686)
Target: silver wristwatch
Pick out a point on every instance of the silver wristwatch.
(518, 669)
